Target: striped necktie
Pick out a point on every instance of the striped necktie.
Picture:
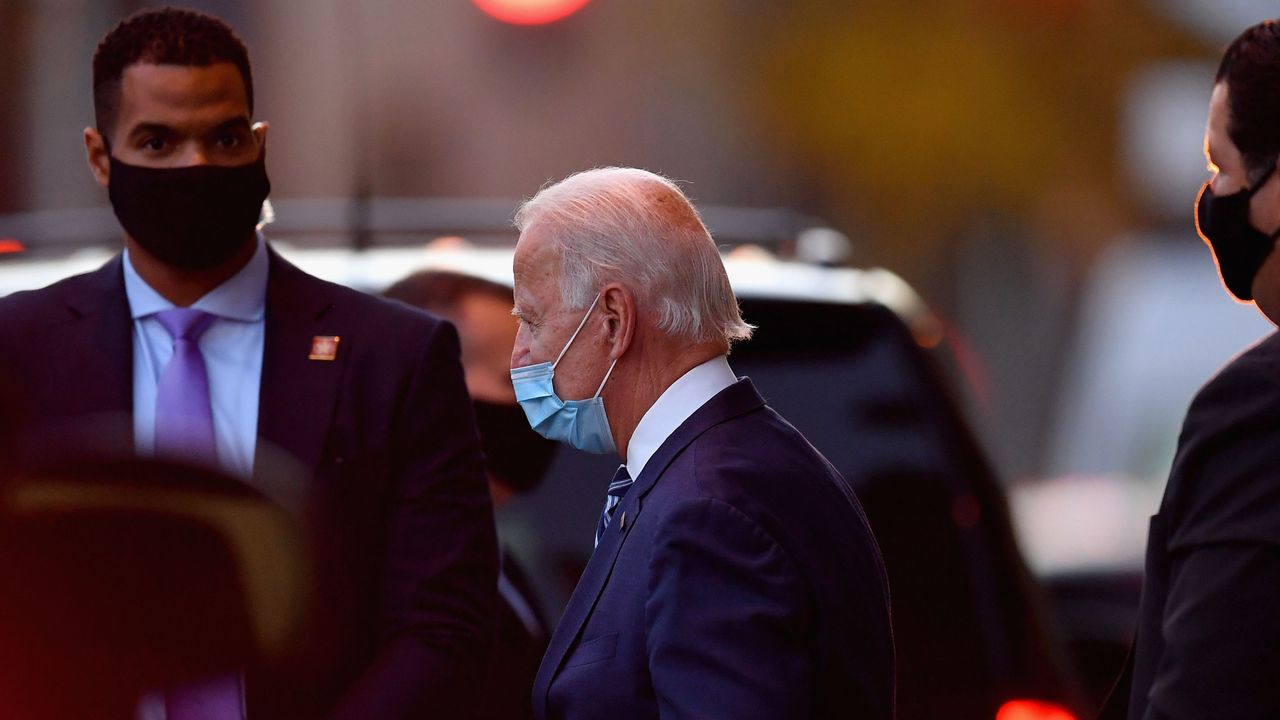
(617, 489)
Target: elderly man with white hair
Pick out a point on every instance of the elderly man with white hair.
(734, 574)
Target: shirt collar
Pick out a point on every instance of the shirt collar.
(242, 296)
(683, 398)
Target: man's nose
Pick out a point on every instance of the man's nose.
(1223, 185)
(519, 352)
(196, 154)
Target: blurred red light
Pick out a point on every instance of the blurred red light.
(1033, 710)
(11, 245)
(530, 12)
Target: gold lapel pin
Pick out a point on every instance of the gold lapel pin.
(324, 347)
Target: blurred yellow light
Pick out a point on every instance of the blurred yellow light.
(530, 12)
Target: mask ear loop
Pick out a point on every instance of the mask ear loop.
(574, 336)
(606, 378)
(1258, 186)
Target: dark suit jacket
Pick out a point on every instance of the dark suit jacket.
(517, 650)
(394, 483)
(1208, 640)
(737, 579)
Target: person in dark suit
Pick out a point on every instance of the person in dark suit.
(1208, 638)
(277, 370)
(734, 575)
(517, 459)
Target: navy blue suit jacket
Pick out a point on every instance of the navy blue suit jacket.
(737, 579)
(384, 439)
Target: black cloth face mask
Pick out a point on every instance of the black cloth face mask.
(192, 218)
(513, 452)
(1238, 247)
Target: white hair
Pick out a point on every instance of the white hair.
(636, 227)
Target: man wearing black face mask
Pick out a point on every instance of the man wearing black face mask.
(209, 346)
(517, 458)
(1208, 638)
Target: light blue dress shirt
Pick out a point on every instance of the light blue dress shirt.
(232, 349)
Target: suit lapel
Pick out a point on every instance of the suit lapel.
(96, 350)
(583, 600)
(297, 395)
(735, 400)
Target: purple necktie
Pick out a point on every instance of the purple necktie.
(184, 419)
(184, 429)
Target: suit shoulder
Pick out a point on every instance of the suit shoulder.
(1243, 390)
(385, 310)
(759, 469)
(1257, 366)
(758, 446)
(369, 309)
(763, 466)
(1228, 462)
(27, 306)
(20, 305)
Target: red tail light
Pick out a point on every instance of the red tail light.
(1033, 710)
(10, 245)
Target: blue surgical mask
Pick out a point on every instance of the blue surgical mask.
(580, 423)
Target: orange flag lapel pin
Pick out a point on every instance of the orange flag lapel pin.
(324, 347)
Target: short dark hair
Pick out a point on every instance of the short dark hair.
(440, 291)
(1251, 69)
(164, 36)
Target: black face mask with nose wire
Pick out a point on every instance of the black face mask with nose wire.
(1238, 247)
(191, 218)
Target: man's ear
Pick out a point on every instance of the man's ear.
(618, 309)
(95, 149)
(1270, 220)
(260, 129)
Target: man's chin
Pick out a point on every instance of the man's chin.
(1270, 311)
(1266, 297)
(1266, 288)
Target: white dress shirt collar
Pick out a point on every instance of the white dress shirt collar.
(682, 399)
(242, 296)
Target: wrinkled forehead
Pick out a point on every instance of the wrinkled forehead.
(536, 266)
